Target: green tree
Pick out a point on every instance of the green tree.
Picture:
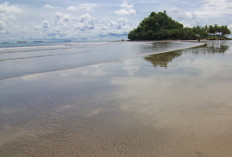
(159, 26)
(225, 31)
(154, 27)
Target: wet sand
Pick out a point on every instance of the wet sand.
(164, 105)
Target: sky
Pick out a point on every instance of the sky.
(100, 19)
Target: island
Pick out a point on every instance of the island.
(159, 26)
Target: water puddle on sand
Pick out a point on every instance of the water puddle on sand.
(175, 104)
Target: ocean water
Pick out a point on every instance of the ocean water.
(117, 99)
(26, 60)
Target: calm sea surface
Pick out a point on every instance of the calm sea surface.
(116, 99)
(20, 61)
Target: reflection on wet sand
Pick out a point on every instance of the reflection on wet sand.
(118, 110)
(162, 59)
(211, 48)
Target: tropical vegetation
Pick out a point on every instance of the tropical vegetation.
(159, 26)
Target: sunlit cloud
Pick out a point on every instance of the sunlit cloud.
(10, 9)
(49, 6)
(126, 9)
(85, 6)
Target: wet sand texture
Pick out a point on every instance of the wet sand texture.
(164, 105)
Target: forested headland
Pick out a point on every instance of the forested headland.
(159, 26)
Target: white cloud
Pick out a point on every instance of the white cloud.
(67, 26)
(85, 6)
(126, 9)
(72, 8)
(118, 27)
(214, 8)
(83, 27)
(8, 14)
(49, 6)
(10, 9)
(205, 12)
(126, 5)
(187, 18)
(86, 22)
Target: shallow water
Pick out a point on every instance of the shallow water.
(21, 61)
(167, 104)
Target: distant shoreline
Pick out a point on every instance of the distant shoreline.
(171, 40)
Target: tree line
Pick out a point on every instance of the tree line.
(159, 26)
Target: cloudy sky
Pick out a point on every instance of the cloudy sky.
(100, 19)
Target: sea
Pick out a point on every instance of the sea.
(19, 59)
